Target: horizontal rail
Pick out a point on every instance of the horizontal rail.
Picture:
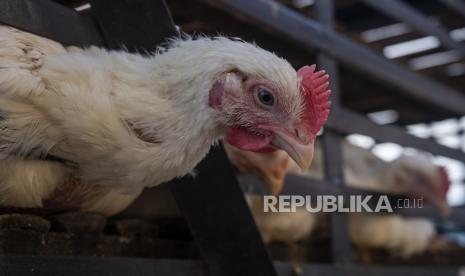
(96, 266)
(403, 12)
(90, 266)
(50, 20)
(287, 269)
(273, 16)
(346, 122)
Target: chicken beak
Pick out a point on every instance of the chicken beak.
(300, 153)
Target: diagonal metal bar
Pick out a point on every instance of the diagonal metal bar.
(403, 12)
(456, 5)
(220, 221)
(52, 20)
(346, 122)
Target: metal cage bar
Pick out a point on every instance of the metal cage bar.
(332, 144)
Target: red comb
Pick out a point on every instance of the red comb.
(314, 88)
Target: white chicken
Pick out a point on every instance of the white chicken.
(411, 175)
(122, 122)
(414, 176)
(287, 228)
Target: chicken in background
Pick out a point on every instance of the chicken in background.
(272, 168)
(287, 228)
(412, 175)
(119, 122)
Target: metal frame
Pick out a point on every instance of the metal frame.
(221, 223)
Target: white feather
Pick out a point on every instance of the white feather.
(77, 104)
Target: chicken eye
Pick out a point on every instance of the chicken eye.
(265, 97)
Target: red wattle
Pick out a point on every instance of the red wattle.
(245, 139)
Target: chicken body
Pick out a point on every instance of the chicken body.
(400, 236)
(283, 227)
(122, 121)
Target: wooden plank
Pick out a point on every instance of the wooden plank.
(50, 20)
(305, 32)
(346, 122)
(212, 202)
(417, 20)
